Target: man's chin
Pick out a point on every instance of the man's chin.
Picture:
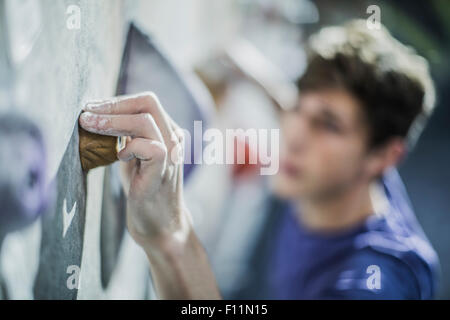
(284, 189)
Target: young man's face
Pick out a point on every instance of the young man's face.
(323, 147)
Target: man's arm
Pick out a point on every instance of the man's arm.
(152, 176)
(181, 269)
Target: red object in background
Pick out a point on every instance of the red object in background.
(247, 168)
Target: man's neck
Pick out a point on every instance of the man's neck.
(336, 213)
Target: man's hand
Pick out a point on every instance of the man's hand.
(152, 169)
(152, 174)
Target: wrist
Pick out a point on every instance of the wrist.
(172, 240)
(180, 268)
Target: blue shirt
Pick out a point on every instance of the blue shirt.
(386, 257)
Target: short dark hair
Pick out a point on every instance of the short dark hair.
(390, 80)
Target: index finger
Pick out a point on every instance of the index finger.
(146, 102)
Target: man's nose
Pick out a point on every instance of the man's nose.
(297, 135)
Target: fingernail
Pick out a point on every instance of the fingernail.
(88, 119)
(94, 105)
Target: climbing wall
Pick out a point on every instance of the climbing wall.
(54, 57)
(60, 55)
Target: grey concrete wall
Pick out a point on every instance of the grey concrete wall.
(54, 71)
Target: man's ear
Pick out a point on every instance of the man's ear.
(386, 156)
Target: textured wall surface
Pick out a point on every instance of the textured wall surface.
(50, 67)
(55, 70)
(65, 67)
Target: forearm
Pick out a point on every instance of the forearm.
(180, 268)
(152, 175)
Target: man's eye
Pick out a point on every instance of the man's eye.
(332, 126)
(329, 126)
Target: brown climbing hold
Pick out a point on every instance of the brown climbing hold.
(96, 150)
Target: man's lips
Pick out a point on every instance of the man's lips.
(290, 169)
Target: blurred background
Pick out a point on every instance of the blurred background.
(278, 30)
(244, 56)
